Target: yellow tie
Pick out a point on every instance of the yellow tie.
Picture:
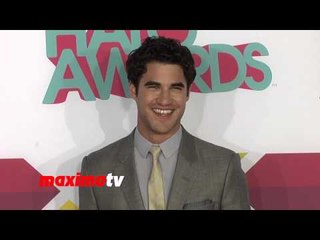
(155, 185)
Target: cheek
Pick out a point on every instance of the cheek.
(148, 99)
(182, 101)
(143, 101)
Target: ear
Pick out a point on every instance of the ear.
(188, 94)
(133, 91)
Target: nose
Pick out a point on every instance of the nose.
(164, 97)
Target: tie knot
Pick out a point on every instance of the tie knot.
(155, 151)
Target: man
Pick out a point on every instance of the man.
(164, 167)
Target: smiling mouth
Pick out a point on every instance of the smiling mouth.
(162, 112)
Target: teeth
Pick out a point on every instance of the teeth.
(162, 112)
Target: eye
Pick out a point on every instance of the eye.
(177, 88)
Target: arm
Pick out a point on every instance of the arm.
(87, 199)
(235, 191)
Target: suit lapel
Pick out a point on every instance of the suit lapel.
(126, 167)
(185, 172)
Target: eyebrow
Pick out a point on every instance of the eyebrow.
(154, 83)
(151, 83)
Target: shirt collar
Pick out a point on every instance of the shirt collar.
(168, 147)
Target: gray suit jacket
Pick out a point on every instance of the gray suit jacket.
(206, 177)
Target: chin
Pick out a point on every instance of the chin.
(163, 130)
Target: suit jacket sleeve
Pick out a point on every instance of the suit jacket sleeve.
(235, 191)
(87, 199)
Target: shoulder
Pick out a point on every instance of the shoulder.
(107, 157)
(111, 149)
(210, 154)
(207, 147)
(212, 148)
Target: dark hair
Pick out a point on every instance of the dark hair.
(159, 49)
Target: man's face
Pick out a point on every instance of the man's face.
(161, 101)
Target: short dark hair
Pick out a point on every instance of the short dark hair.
(159, 49)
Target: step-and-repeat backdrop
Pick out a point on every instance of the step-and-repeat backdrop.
(64, 94)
